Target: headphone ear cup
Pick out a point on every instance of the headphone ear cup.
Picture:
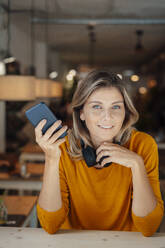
(89, 155)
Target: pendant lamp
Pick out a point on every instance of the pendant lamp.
(17, 88)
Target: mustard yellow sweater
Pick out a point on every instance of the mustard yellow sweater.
(102, 199)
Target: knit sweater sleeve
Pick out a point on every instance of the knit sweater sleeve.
(52, 221)
(150, 223)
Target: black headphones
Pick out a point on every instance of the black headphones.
(89, 155)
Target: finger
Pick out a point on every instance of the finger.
(45, 146)
(106, 161)
(102, 154)
(107, 146)
(60, 141)
(57, 134)
(38, 128)
(51, 129)
(103, 146)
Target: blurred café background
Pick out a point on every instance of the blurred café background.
(46, 46)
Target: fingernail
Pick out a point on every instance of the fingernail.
(58, 121)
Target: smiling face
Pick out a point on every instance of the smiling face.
(103, 113)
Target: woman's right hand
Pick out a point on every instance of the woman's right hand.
(50, 143)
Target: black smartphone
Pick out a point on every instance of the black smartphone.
(39, 112)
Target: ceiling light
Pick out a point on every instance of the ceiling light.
(53, 74)
(152, 83)
(134, 78)
(72, 72)
(142, 90)
(69, 77)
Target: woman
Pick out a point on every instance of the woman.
(121, 190)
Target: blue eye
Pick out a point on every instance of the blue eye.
(96, 106)
(116, 107)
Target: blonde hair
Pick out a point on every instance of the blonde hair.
(95, 80)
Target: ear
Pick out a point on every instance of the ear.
(82, 117)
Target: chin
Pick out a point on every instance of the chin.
(106, 139)
(103, 136)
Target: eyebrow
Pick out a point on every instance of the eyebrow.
(118, 102)
(101, 102)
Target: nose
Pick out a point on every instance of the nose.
(107, 115)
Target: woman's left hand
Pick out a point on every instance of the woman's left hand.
(116, 154)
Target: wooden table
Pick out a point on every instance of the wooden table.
(24, 206)
(37, 237)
